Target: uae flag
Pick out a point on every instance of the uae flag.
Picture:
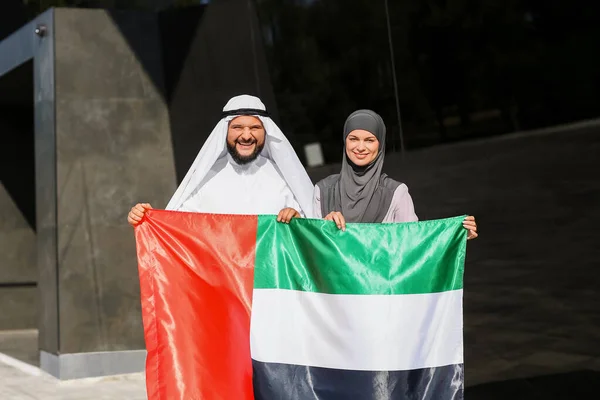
(244, 307)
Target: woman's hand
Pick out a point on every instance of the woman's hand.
(287, 214)
(470, 225)
(338, 218)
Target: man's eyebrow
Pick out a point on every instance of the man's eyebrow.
(249, 126)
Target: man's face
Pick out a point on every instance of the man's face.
(245, 138)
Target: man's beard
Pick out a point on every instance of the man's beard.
(240, 159)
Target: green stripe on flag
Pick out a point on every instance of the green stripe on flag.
(314, 256)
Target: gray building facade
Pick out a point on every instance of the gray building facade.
(100, 110)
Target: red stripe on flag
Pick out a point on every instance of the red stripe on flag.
(196, 279)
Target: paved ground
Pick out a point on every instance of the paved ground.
(532, 304)
(21, 380)
(17, 385)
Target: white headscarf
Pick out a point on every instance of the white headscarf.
(277, 148)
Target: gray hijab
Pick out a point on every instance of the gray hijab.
(361, 194)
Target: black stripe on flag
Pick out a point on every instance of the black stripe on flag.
(296, 382)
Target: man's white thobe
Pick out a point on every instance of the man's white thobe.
(253, 188)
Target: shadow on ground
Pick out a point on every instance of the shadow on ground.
(567, 386)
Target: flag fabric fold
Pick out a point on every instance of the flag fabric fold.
(244, 307)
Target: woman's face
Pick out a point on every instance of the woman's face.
(362, 147)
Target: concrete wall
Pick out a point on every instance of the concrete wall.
(113, 149)
(205, 64)
(136, 96)
(120, 103)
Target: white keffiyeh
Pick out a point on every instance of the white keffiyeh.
(275, 178)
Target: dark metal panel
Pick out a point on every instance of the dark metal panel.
(19, 47)
(45, 166)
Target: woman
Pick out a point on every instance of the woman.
(361, 192)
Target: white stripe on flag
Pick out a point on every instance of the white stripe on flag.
(357, 332)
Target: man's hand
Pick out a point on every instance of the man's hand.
(338, 218)
(470, 224)
(137, 213)
(287, 214)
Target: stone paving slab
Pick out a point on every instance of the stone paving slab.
(19, 385)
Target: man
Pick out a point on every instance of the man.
(246, 166)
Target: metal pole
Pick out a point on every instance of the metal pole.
(387, 15)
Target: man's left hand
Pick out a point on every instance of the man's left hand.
(287, 214)
(470, 225)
